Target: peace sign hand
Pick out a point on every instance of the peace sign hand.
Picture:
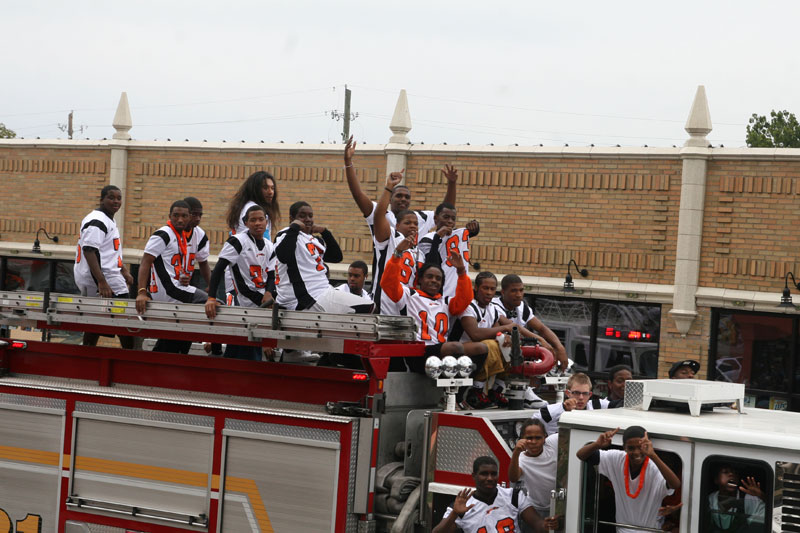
(604, 440)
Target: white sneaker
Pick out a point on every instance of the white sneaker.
(305, 357)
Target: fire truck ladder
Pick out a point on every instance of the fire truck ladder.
(275, 327)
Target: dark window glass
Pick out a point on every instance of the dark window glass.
(628, 335)
(27, 275)
(735, 495)
(755, 350)
(65, 278)
(571, 321)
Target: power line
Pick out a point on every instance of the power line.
(518, 108)
(260, 119)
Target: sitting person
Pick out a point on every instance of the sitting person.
(579, 396)
(356, 276)
(640, 478)
(302, 273)
(737, 504)
(426, 304)
(491, 508)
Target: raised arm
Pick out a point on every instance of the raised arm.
(673, 481)
(463, 296)
(362, 200)
(451, 175)
(603, 441)
(381, 226)
(333, 253)
(448, 523)
(390, 281)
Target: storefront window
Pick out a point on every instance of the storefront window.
(599, 335)
(758, 350)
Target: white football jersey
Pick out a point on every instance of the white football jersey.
(411, 261)
(520, 316)
(500, 515)
(251, 261)
(486, 316)
(424, 220)
(99, 231)
(304, 277)
(199, 249)
(241, 227)
(345, 288)
(170, 261)
(457, 241)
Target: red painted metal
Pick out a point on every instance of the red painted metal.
(482, 426)
(453, 478)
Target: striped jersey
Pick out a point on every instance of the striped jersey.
(520, 316)
(199, 249)
(99, 231)
(412, 260)
(486, 317)
(433, 313)
(250, 262)
(302, 273)
(170, 261)
(241, 227)
(457, 241)
(344, 287)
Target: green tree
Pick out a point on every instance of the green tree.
(6, 133)
(781, 130)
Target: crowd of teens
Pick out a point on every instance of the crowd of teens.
(420, 269)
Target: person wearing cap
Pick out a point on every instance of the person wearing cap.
(685, 369)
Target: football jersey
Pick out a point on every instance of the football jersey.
(411, 262)
(241, 227)
(99, 231)
(433, 313)
(346, 288)
(424, 220)
(500, 515)
(550, 414)
(170, 261)
(639, 511)
(250, 262)
(304, 276)
(486, 317)
(457, 241)
(520, 316)
(199, 249)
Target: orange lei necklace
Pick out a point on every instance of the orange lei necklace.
(641, 477)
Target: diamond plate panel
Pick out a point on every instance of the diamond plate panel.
(456, 448)
(145, 414)
(365, 526)
(298, 432)
(33, 401)
(634, 393)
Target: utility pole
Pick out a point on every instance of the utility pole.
(346, 127)
(346, 116)
(68, 126)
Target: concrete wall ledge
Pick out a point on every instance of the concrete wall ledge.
(739, 300)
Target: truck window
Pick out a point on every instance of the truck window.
(735, 493)
(598, 511)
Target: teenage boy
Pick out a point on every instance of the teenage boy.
(640, 478)
(685, 369)
(400, 200)
(511, 304)
(356, 276)
(162, 267)
(437, 245)
(481, 323)
(737, 503)
(197, 241)
(252, 266)
(489, 507)
(99, 269)
(579, 396)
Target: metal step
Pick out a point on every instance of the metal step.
(30, 308)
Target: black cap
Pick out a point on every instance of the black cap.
(691, 363)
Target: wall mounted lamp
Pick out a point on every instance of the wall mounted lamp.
(37, 248)
(786, 297)
(568, 285)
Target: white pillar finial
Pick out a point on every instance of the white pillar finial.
(401, 120)
(698, 125)
(122, 119)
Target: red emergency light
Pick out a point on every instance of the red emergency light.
(359, 376)
(632, 335)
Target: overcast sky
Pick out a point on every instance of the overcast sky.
(526, 72)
